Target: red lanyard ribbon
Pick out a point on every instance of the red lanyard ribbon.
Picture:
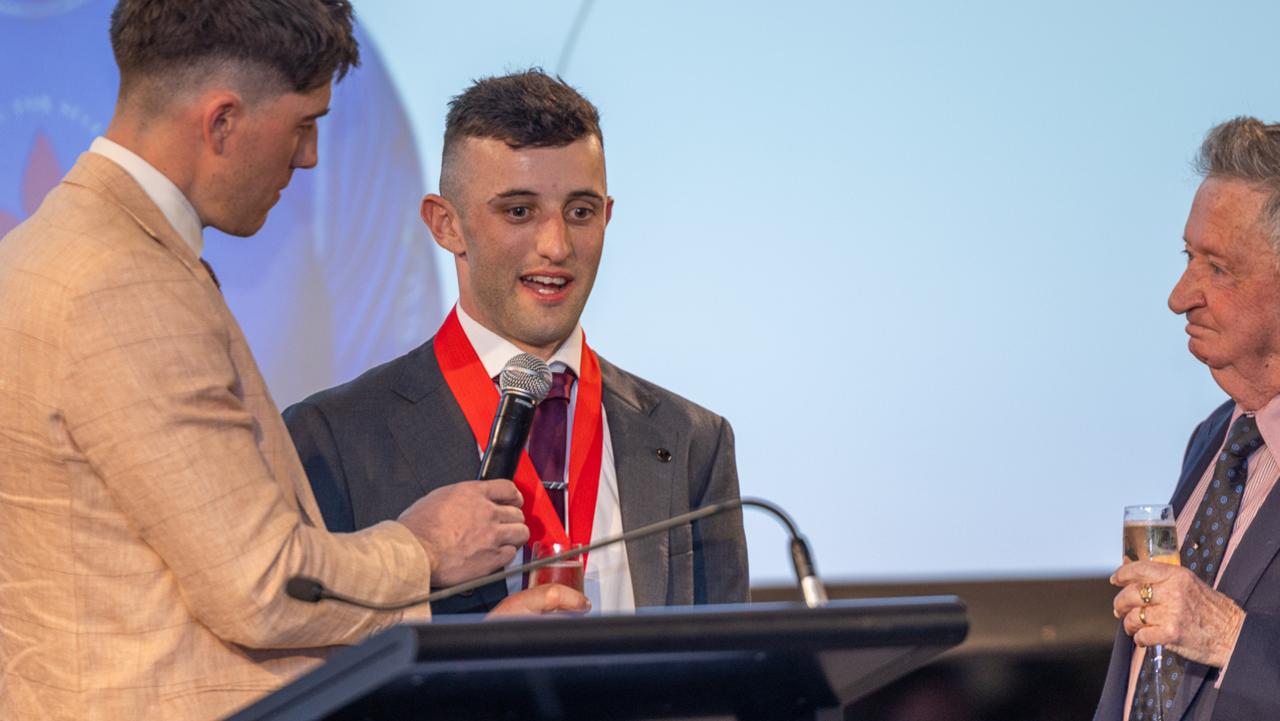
(476, 395)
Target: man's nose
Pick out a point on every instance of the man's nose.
(1186, 294)
(307, 154)
(553, 240)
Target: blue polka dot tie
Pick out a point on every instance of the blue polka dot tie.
(1202, 553)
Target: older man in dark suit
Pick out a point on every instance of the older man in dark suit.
(1217, 614)
(523, 207)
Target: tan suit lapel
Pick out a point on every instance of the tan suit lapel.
(103, 176)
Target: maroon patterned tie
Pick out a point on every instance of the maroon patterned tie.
(548, 438)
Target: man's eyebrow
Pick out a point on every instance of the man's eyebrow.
(318, 115)
(513, 193)
(521, 192)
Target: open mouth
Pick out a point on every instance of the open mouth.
(545, 285)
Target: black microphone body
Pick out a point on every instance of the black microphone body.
(507, 436)
(306, 589)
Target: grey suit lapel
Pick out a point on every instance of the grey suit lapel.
(644, 482)
(431, 431)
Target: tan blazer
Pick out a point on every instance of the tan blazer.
(152, 505)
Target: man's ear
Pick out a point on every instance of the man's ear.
(221, 115)
(442, 219)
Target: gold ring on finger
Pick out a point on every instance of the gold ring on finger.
(1144, 593)
(1142, 615)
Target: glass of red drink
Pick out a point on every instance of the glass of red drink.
(567, 572)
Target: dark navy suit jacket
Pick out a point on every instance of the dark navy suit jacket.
(1251, 689)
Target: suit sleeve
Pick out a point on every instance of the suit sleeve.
(318, 451)
(156, 406)
(720, 544)
(1251, 686)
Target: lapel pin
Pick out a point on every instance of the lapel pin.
(663, 455)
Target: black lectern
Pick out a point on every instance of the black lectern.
(772, 662)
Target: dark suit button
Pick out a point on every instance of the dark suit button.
(663, 455)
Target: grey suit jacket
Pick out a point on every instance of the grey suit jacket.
(373, 446)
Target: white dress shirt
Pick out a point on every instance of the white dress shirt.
(607, 578)
(171, 201)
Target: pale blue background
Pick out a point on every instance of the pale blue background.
(924, 244)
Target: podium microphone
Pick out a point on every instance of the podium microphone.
(814, 593)
(524, 381)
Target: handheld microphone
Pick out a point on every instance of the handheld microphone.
(812, 590)
(524, 382)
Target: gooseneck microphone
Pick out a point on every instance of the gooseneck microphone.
(814, 593)
(524, 382)
(812, 589)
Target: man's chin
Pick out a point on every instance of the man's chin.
(1205, 355)
(242, 228)
(250, 230)
(546, 336)
(553, 323)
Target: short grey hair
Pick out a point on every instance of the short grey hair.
(1248, 150)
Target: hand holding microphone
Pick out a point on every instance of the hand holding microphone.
(468, 529)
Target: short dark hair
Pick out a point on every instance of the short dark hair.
(302, 44)
(525, 109)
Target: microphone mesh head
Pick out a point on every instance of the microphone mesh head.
(528, 375)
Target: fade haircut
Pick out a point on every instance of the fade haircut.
(525, 109)
(269, 47)
(1248, 150)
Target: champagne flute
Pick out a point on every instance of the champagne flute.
(1151, 534)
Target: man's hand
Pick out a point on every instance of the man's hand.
(551, 598)
(468, 529)
(1184, 615)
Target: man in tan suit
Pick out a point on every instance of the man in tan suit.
(152, 506)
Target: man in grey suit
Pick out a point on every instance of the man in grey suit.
(523, 206)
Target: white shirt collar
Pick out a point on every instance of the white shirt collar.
(495, 351)
(171, 201)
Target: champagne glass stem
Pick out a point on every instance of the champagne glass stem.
(1158, 667)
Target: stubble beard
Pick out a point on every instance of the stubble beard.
(544, 330)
